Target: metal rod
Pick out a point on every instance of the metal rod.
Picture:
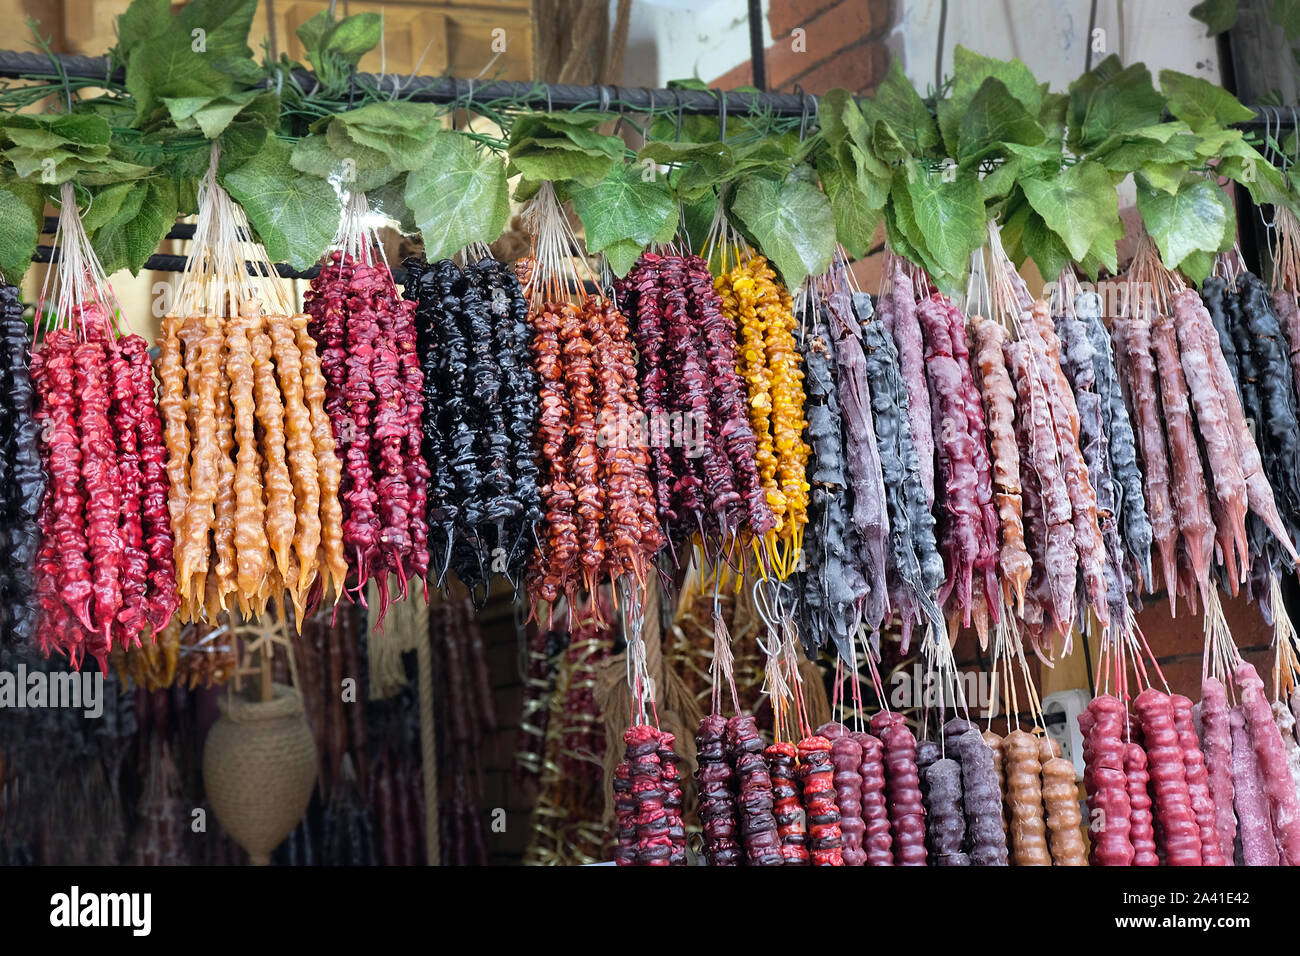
(440, 89)
(757, 55)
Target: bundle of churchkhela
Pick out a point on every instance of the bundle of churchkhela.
(846, 509)
(598, 503)
(104, 569)
(480, 417)
(373, 383)
(24, 478)
(929, 331)
(254, 475)
(759, 308)
(703, 451)
(1059, 519)
(1205, 474)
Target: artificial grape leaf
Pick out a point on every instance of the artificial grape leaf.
(1077, 204)
(896, 103)
(1111, 102)
(19, 231)
(856, 215)
(459, 197)
(698, 167)
(1197, 266)
(949, 214)
(1196, 217)
(1040, 243)
(791, 223)
(900, 225)
(559, 146)
(1200, 103)
(1104, 253)
(1217, 15)
(295, 216)
(211, 114)
(992, 118)
(622, 256)
(127, 241)
(970, 70)
(1164, 176)
(106, 202)
(1264, 181)
(335, 47)
(624, 206)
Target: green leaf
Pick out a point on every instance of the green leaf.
(1112, 101)
(623, 207)
(857, 214)
(1264, 181)
(1194, 218)
(295, 216)
(558, 146)
(970, 70)
(950, 217)
(1077, 204)
(697, 167)
(791, 223)
(127, 241)
(1197, 266)
(19, 232)
(900, 225)
(1166, 177)
(991, 118)
(1045, 247)
(459, 197)
(1217, 15)
(1104, 252)
(330, 44)
(897, 104)
(1126, 155)
(1200, 103)
(106, 203)
(212, 114)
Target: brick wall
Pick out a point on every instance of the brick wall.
(842, 44)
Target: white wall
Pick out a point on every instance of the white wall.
(675, 39)
(1050, 36)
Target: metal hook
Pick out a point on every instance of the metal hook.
(677, 95)
(722, 114)
(548, 98)
(604, 98)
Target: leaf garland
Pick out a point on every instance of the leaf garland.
(993, 143)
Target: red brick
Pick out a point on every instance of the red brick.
(741, 75)
(784, 15)
(1185, 634)
(858, 70)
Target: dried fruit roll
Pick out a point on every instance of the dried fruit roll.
(176, 432)
(672, 799)
(1182, 838)
(1189, 488)
(624, 816)
(653, 843)
(131, 618)
(1255, 828)
(205, 467)
(877, 842)
(1285, 721)
(1024, 796)
(754, 792)
(782, 758)
(280, 506)
(1141, 820)
(846, 757)
(1218, 746)
(1283, 804)
(1198, 786)
(945, 824)
(996, 746)
(1195, 328)
(1105, 781)
(999, 408)
(714, 776)
(906, 331)
(252, 558)
(300, 450)
(981, 796)
(817, 779)
(902, 788)
(1061, 802)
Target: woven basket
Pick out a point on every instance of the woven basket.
(259, 768)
